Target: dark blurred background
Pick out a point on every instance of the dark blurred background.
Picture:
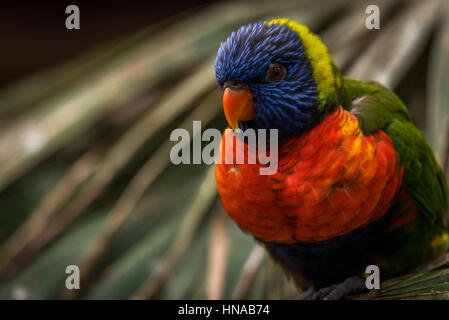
(33, 35)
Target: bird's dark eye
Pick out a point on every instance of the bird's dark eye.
(276, 72)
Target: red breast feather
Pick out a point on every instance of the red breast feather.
(330, 180)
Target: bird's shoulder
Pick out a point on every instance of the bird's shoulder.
(379, 108)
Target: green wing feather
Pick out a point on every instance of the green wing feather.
(377, 107)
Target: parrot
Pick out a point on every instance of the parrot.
(356, 184)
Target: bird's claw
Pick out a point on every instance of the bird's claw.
(336, 291)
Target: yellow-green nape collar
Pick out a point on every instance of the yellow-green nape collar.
(319, 58)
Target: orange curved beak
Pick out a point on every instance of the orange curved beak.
(238, 105)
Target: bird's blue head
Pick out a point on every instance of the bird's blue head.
(275, 75)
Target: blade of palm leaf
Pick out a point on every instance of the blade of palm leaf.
(275, 284)
(205, 195)
(391, 54)
(263, 279)
(249, 272)
(63, 191)
(264, 283)
(405, 281)
(437, 289)
(402, 283)
(311, 15)
(120, 279)
(438, 264)
(181, 98)
(441, 262)
(427, 277)
(273, 287)
(435, 284)
(49, 82)
(349, 35)
(349, 22)
(191, 267)
(430, 279)
(158, 218)
(289, 289)
(50, 204)
(421, 272)
(432, 292)
(43, 277)
(193, 290)
(60, 118)
(218, 254)
(433, 295)
(135, 190)
(438, 92)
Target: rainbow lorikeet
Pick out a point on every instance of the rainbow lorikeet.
(357, 184)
